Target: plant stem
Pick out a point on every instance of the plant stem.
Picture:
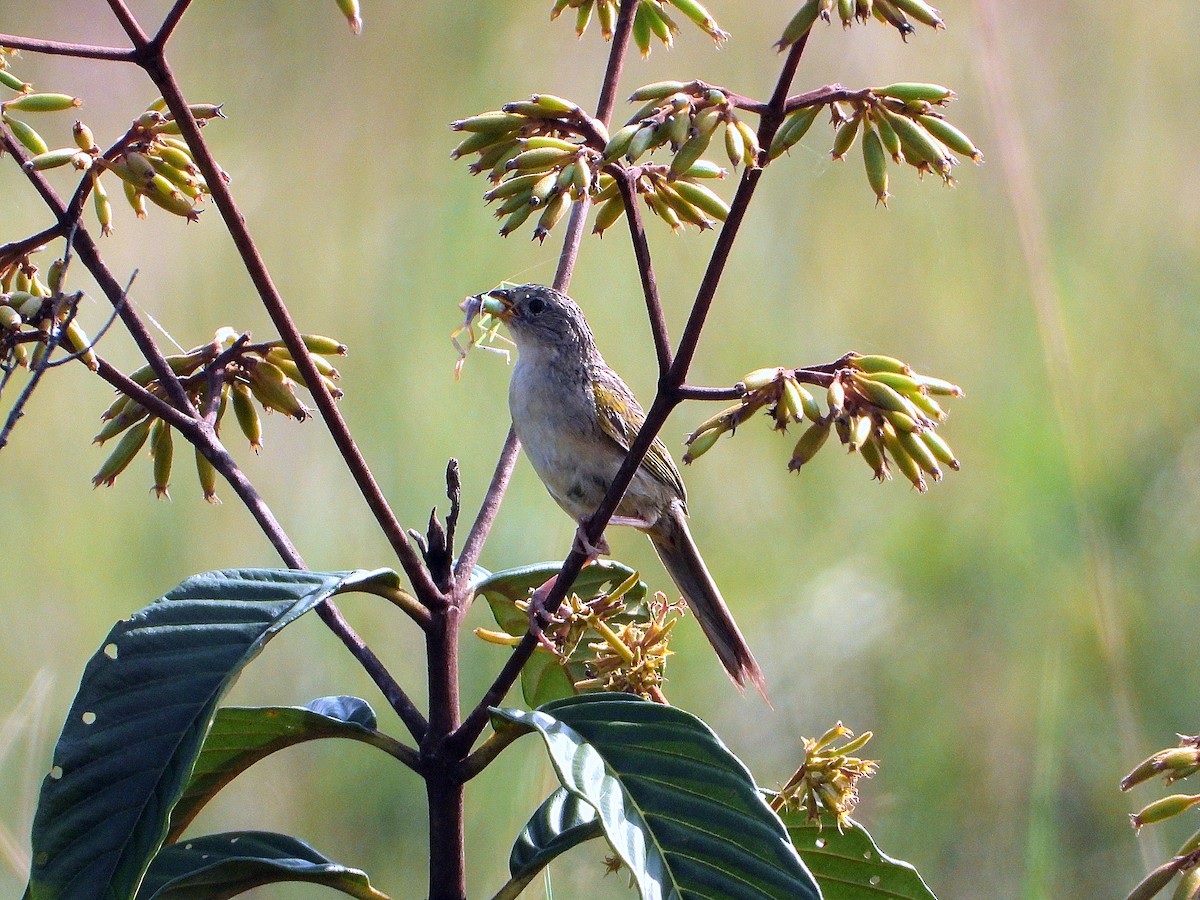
(61, 48)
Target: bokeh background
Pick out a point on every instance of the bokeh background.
(1017, 638)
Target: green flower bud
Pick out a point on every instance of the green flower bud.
(247, 415)
(539, 159)
(163, 452)
(922, 12)
(889, 138)
(951, 137)
(872, 455)
(51, 159)
(688, 155)
(30, 139)
(800, 24)
(554, 106)
(836, 396)
(794, 127)
(750, 142)
(657, 91)
(760, 378)
(700, 445)
(551, 215)
(77, 341)
(84, 139)
(910, 91)
(607, 214)
(939, 386)
(606, 12)
(860, 431)
(810, 442)
(874, 363)
(920, 452)
(875, 162)
(843, 138)
(619, 142)
(126, 450)
(705, 168)
(735, 146)
(699, 15)
(907, 465)
(515, 220)
(702, 198)
(43, 103)
(642, 141)
(207, 474)
(1162, 809)
(13, 83)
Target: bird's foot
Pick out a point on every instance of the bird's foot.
(592, 550)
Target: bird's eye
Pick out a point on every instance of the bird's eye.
(536, 305)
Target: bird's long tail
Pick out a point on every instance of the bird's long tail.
(682, 560)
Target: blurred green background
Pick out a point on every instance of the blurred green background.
(1017, 638)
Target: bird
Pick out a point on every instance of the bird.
(576, 419)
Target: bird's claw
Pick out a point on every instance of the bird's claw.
(593, 550)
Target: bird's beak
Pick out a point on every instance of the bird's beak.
(498, 303)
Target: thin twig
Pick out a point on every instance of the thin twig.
(10, 253)
(641, 251)
(61, 48)
(169, 24)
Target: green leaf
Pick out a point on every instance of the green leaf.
(679, 808)
(242, 735)
(217, 866)
(849, 865)
(562, 821)
(544, 677)
(144, 704)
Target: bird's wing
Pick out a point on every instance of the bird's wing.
(621, 417)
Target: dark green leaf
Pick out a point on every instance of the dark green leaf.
(139, 719)
(544, 677)
(240, 736)
(217, 866)
(849, 866)
(562, 821)
(675, 804)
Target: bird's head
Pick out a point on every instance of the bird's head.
(537, 314)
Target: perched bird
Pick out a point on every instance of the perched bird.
(576, 420)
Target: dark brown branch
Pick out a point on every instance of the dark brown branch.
(133, 30)
(61, 48)
(170, 22)
(641, 252)
(10, 253)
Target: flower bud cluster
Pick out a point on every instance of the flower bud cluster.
(899, 14)
(650, 20)
(265, 374)
(33, 312)
(153, 164)
(827, 780)
(877, 406)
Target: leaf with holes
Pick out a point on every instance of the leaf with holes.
(242, 735)
(680, 810)
(849, 865)
(218, 866)
(144, 704)
(544, 677)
